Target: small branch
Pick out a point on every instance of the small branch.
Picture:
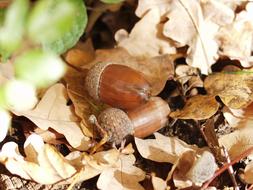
(226, 166)
(5, 3)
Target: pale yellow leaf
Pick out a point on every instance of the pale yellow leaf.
(158, 183)
(52, 111)
(153, 43)
(125, 176)
(237, 141)
(162, 148)
(42, 163)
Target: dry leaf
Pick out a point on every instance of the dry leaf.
(236, 38)
(248, 173)
(153, 43)
(198, 107)
(81, 54)
(42, 163)
(237, 141)
(157, 70)
(5, 122)
(125, 176)
(234, 88)
(84, 105)
(198, 33)
(162, 148)
(158, 183)
(194, 168)
(52, 111)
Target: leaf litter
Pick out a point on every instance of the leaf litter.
(194, 33)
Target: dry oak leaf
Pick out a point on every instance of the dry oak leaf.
(53, 112)
(116, 169)
(187, 26)
(238, 141)
(162, 148)
(248, 173)
(198, 107)
(84, 105)
(124, 176)
(234, 88)
(159, 184)
(81, 54)
(236, 38)
(42, 163)
(193, 168)
(157, 70)
(150, 44)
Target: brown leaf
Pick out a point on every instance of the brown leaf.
(198, 107)
(42, 163)
(84, 105)
(162, 149)
(81, 54)
(153, 43)
(237, 141)
(52, 111)
(234, 88)
(157, 70)
(194, 168)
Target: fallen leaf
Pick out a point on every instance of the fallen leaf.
(84, 105)
(236, 38)
(234, 88)
(52, 111)
(194, 169)
(157, 70)
(162, 148)
(197, 107)
(81, 54)
(237, 141)
(155, 43)
(158, 183)
(248, 173)
(125, 176)
(5, 123)
(42, 163)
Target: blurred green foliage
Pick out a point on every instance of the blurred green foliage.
(112, 1)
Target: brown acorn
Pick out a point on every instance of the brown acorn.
(117, 85)
(140, 122)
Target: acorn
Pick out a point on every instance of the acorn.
(140, 122)
(117, 85)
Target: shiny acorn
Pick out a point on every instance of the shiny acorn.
(140, 122)
(117, 85)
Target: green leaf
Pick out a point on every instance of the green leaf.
(112, 1)
(38, 67)
(12, 31)
(57, 24)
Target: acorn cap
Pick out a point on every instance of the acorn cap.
(93, 78)
(116, 123)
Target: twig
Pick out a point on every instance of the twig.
(226, 166)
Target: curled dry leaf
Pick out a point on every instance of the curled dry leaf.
(234, 88)
(162, 148)
(124, 176)
(237, 141)
(198, 107)
(155, 43)
(157, 70)
(52, 111)
(84, 105)
(42, 163)
(236, 38)
(194, 169)
(81, 54)
(158, 183)
(198, 34)
(248, 173)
